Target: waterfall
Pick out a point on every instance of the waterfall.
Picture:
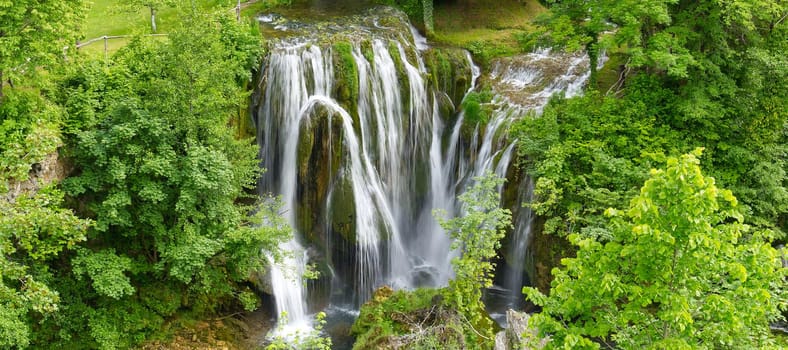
(294, 75)
(518, 246)
(524, 85)
(361, 165)
(379, 161)
(286, 284)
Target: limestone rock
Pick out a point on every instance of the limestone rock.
(518, 335)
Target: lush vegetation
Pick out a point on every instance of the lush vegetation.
(454, 316)
(126, 196)
(691, 74)
(477, 237)
(403, 318)
(159, 221)
(591, 152)
(679, 268)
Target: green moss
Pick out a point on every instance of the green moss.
(402, 75)
(374, 325)
(445, 107)
(368, 52)
(445, 70)
(346, 78)
(440, 69)
(449, 71)
(342, 212)
(609, 74)
(432, 68)
(416, 319)
(319, 156)
(306, 140)
(484, 51)
(412, 8)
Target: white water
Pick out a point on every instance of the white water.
(401, 163)
(529, 76)
(295, 73)
(518, 246)
(286, 284)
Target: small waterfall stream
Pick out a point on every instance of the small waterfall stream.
(360, 174)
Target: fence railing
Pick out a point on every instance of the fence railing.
(106, 38)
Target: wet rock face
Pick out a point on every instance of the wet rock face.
(450, 71)
(320, 156)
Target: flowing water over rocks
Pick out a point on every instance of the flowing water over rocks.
(360, 137)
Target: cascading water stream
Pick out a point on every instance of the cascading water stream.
(524, 86)
(283, 101)
(383, 161)
(518, 249)
(298, 80)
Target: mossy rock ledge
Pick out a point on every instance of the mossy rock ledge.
(320, 159)
(449, 71)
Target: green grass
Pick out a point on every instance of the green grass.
(487, 28)
(255, 7)
(105, 17)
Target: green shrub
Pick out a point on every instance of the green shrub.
(476, 107)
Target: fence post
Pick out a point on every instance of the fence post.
(238, 11)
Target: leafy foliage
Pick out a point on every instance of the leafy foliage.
(34, 228)
(476, 108)
(33, 34)
(680, 38)
(477, 235)
(408, 319)
(165, 181)
(678, 271)
(592, 152)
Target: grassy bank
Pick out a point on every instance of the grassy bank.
(106, 17)
(487, 28)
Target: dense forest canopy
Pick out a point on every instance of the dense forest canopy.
(128, 181)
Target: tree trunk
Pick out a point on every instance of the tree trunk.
(2, 81)
(153, 19)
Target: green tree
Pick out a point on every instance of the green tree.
(683, 39)
(168, 185)
(679, 271)
(477, 235)
(34, 228)
(34, 33)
